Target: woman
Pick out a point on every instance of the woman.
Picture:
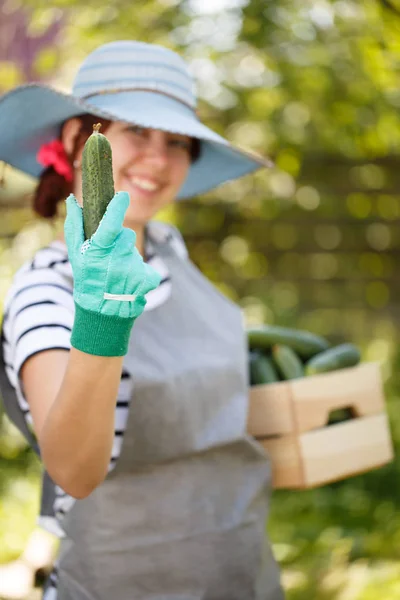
(141, 422)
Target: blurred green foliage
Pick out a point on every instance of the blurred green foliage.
(313, 243)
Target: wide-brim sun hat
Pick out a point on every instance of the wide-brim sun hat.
(135, 82)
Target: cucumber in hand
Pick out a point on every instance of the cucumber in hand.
(97, 180)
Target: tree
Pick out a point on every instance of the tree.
(27, 54)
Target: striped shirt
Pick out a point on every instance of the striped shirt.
(39, 314)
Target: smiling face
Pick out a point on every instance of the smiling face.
(151, 165)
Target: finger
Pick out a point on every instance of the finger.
(73, 225)
(123, 259)
(151, 279)
(127, 240)
(111, 224)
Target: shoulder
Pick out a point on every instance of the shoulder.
(161, 232)
(48, 262)
(53, 256)
(49, 274)
(38, 309)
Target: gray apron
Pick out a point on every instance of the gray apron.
(183, 514)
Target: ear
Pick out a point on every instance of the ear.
(69, 132)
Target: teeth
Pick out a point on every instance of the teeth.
(145, 184)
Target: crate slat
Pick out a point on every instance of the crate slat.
(357, 387)
(330, 454)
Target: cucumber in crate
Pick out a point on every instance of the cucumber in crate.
(279, 353)
(315, 408)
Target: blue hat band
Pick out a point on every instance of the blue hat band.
(139, 89)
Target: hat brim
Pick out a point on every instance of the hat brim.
(31, 115)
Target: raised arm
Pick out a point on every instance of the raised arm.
(72, 395)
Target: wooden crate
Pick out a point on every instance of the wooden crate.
(290, 420)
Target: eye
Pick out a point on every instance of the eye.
(183, 143)
(136, 129)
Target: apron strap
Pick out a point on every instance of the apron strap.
(164, 238)
(16, 416)
(10, 402)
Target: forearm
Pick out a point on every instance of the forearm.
(77, 435)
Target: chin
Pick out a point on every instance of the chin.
(143, 210)
(139, 219)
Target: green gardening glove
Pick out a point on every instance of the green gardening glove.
(111, 279)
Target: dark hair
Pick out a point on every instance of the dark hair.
(53, 187)
(195, 150)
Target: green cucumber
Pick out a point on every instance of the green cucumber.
(304, 343)
(97, 180)
(261, 369)
(338, 357)
(287, 361)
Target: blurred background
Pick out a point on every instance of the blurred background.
(314, 243)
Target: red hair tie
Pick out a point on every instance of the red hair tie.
(53, 155)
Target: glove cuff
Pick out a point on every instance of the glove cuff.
(101, 335)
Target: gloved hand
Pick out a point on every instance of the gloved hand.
(110, 279)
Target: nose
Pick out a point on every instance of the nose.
(157, 149)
